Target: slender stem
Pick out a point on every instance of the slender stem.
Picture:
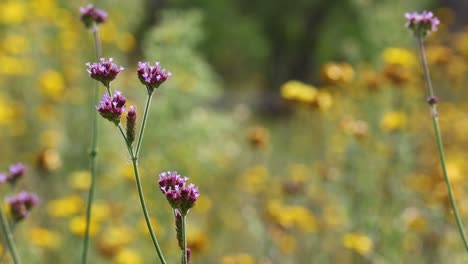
(435, 120)
(92, 153)
(184, 242)
(142, 196)
(9, 237)
(143, 123)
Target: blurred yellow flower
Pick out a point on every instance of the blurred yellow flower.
(108, 32)
(291, 216)
(358, 242)
(113, 239)
(254, 179)
(52, 85)
(334, 216)
(49, 159)
(44, 238)
(438, 55)
(203, 204)
(414, 220)
(399, 56)
(12, 12)
(126, 42)
(337, 73)
(393, 121)
(323, 100)
(298, 91)
(44, 8)
(241, 258)
(80, 180)
(66, 206)
(101, 211)
(461, 42)
(15, 44)
(77, 226)
(197, 240)
(287, 244)
(10, 65)
(7, 112)
(128, 256)
(51, 138)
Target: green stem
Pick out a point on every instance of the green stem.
(435, 121)
(9, 237)
(142, 196)
(184, 242)
(92, 153)
(143, 123)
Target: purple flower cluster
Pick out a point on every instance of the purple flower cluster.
(422, 23)
(181, 196)
(152, 76)
(16, 172)
(111, 108)
(104, 71)
(21, 204)
(90, 15)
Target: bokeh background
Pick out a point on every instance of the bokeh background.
(303, 122)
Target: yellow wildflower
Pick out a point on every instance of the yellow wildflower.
(204, 204)
(51, 138)
(126, 42)
(65, 206)
(52, 85)
(49, 159)
(77, 226)
(197, 240)
(358, 242)
(241, 258)
(100, 211)
(298, 91)
(393, 121)
(128, 256)
(414, 220)
(44, 238)
(12, 12)
(10, 65)
(254, 179)
(337, 73)
(399, 56)
(114, 239)
(80, 180)
(15, 44)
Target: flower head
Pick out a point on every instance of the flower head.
(16, 171)
(181, 196)
(21, 204)
(104, 71)
(111, 108)
(152, 76)
(131, 124)
(422, 23)
(90, 15)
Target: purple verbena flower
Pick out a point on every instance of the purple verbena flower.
(112, 108)
(131, 124)
(21, 204)
(90, 15)
(152, 76)
(104, 71)
(181, 196)
(422, 23)
(16, 172)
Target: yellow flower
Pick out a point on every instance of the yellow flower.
(52, 85)
(49, 159)
(291, 216)
(254, 179)
(298, 91)
(15, 44)
(10, 65)
(108, 32)
(114, 239)
(12, 12)
(65, 206)
(128, 256)
(197, 240)
(337, 73)
(438, 55)
(80, 180)
(287, 244)
(414, 220)
(51, 138)
(323, 100)
(204, 204)
(77, 226)
(45, 238)
(44, 8)
(241, 258)
(100, 211)
(126, 42)
(7, 112)
(358, 242)
(393, 121)
(399, 56)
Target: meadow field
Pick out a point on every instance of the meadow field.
(332, 162)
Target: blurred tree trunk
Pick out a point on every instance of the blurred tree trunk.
(152, 15)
